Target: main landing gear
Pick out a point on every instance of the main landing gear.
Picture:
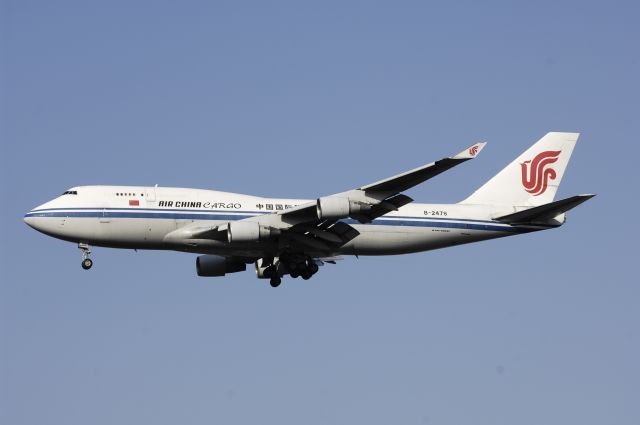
(86, 261)
(304, 269)
(274, 274)
(293, 265)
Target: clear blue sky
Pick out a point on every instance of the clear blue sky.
(301, 99)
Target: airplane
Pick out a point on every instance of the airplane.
(295, 236)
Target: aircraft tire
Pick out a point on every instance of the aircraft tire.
(275, 282)
(87, 263)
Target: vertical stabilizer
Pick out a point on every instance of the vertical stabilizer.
(533, 178)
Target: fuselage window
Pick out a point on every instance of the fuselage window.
(70, 192)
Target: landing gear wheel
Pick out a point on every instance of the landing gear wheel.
(306, 275)
(294, 274)
(87, 263)
(275, 282)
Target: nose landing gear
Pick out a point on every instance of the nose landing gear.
(86, 261)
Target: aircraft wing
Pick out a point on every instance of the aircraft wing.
(316, 225)
(411, 178)
(377, 199)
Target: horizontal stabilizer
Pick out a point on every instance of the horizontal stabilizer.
(545, 212)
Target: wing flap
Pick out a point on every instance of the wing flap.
(304, 212)
(321, 234)
(310, 242)
(392, 203)
(326, 236)
(344, 231)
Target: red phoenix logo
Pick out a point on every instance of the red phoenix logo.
(537, 172)
(473, 150)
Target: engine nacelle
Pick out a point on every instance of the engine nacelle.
(335, 208)
(248, 231)
(214, 265)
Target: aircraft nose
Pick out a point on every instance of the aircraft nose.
(34, 218)
(31, 220)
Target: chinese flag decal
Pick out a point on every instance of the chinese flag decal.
(134, 203)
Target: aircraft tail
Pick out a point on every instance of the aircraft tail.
(533, 178)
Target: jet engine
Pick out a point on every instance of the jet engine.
(335, 207)
(214, 265)
(248, 231)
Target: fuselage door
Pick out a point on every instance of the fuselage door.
(104, 215)
(150, 195)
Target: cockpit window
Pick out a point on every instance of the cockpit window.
(71, 192)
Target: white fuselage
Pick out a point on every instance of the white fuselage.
(148, 218)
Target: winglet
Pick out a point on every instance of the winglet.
(471, 152)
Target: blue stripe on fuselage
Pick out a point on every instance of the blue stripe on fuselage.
(449, 223)
(245, 213)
